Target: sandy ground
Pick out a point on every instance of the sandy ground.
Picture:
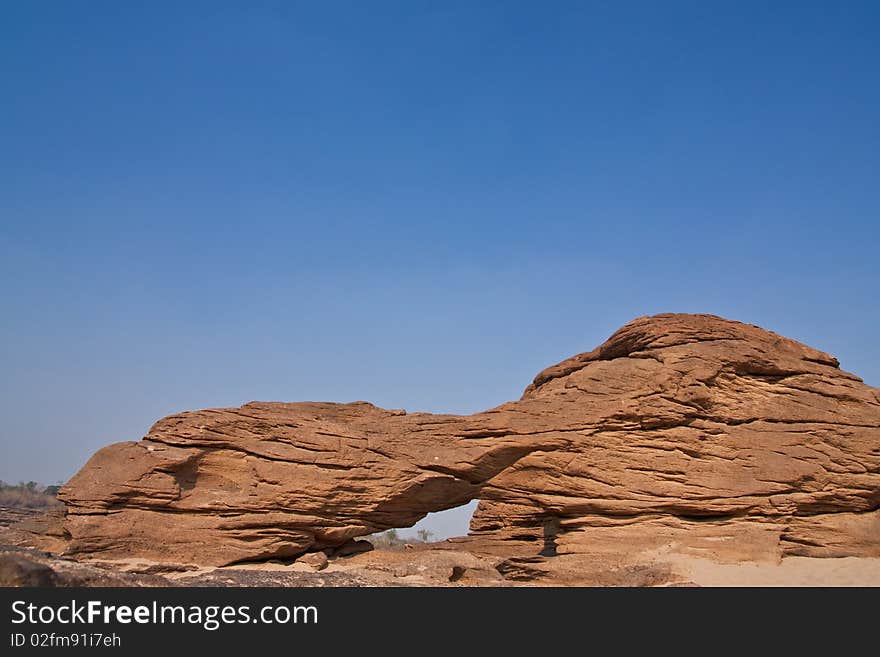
(791, 571)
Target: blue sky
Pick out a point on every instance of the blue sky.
(416, 204)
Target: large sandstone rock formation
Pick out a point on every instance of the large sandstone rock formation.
(681, 433)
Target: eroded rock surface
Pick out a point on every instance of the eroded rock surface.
(682, 433)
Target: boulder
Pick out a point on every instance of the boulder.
(681, 432)
(19, 570)
(314, 560)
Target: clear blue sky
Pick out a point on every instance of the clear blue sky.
(416, 204)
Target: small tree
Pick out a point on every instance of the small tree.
(424, 535)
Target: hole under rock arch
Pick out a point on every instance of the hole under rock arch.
(436, 526)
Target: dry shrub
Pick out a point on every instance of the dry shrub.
(30, 495)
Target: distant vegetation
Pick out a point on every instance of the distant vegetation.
(30, 495)
(391, 540)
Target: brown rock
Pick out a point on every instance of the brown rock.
(315, 560)
(688, 433)
(19, 570)
(28, 567)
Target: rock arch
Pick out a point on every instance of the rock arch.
(679, 428)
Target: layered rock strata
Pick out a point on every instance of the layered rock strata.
(686, 433)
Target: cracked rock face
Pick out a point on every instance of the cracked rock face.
(684, 433)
